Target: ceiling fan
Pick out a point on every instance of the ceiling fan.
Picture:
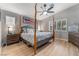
(46, 10)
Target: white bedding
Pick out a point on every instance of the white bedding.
(40, 36)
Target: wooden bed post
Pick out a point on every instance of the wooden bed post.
(53, 29)
(35, 40)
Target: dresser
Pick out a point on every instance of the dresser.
(13, 38)
(74, 38)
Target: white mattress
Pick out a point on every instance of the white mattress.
(40, 36)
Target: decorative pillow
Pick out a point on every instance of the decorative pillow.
(24, 28)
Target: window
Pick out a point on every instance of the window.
(64, 24)
(50, 25)
(39, 28)
(61, 25)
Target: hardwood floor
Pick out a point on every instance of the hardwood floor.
(57, 48)
(60, 48)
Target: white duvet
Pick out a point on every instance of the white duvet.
(40, 36)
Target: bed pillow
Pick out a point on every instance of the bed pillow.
(30, 30)
(24, 28)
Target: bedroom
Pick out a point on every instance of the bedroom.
(18, 24)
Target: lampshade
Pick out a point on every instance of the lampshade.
(10, 28)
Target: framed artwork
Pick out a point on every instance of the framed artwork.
(73, 28)
(27, 22)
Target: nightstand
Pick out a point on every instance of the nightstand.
(12, 38)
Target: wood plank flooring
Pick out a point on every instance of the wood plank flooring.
(57, 48)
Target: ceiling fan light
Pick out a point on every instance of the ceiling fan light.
(45, 13)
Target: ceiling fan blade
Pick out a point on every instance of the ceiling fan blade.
(50, 11)
(51, 6)
(41, 14)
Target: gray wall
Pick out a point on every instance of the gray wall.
(3, 20)
(0, 28)
(72, 15)
(45, 23)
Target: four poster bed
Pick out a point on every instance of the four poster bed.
(42, 38)
(35, 38)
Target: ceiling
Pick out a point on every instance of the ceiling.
(27, 9)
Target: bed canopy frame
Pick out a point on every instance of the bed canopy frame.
(35, 40)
